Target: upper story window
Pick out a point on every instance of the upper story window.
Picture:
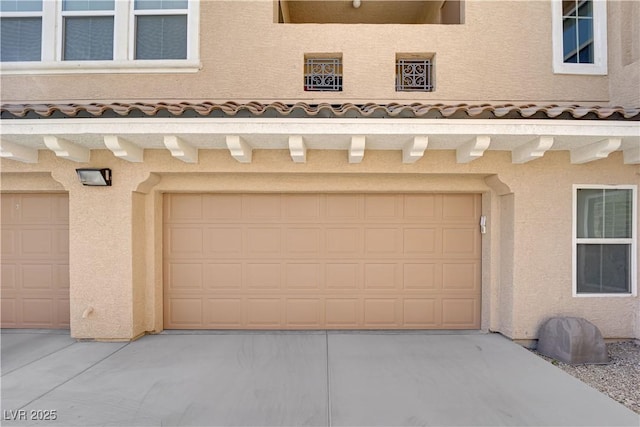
(87, 30)
(59, 36)
(579, 36)
(161, 29)
(604, 240)
(577, 32)
(413, 74)
(323, 73)
(21, 30)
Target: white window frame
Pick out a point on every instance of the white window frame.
(599, 66)
(123, 47)
(633, 241)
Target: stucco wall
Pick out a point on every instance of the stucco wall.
(502, 53)
(624, 52)
(542, 251)
(116, 242)
(139, 252)
(506, 285)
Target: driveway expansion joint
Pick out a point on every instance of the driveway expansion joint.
(38, 359)
(74, 376)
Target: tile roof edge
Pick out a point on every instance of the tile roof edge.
(308, 110)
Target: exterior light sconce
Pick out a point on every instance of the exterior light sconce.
(95, 177)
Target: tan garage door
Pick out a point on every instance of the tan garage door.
(321, 261)
(35, 261)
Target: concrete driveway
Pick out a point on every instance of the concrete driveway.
(292, 379)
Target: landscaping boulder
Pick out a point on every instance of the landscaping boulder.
(572, 340)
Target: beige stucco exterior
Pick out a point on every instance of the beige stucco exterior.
(502, 54)
(624, 57)
(115, 238)
(246, 56)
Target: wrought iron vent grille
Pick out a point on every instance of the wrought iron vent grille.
(323, 74)
(413, 75)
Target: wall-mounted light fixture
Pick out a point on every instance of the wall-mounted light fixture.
(95, 177)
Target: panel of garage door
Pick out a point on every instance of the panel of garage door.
(35, 261)
(321, 261)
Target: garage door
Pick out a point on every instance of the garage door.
(321, 261)
(35, 261)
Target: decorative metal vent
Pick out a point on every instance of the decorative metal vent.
(323, 74)
(413, 75)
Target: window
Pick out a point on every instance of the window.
(21, 30)
(577, 32)
(604, 240)
(323, 74)
(87, 30)
(413, 74)
(161, 29)
(579, 36)
(60, 36)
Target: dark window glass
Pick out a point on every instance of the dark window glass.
(577, 28)
(88, 38)
(604, 269)
(604, 214)
(161, 37)
(21, 39)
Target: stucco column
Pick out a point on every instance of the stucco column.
(101, 251)
(502, 234)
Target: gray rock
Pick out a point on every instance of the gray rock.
(572, 340)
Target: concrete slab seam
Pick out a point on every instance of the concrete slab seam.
(38, 359)
(329, 423)
(75, 376)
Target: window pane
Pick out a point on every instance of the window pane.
(585, 8)
(88, 38)
(590, 214)
(160, 4)
(20, 5)
(586, 54)
(87, 5)
(568, 7)
(618, 210)
(604, 269)
(21, 39)
(604, 213)
(585, 39)
(161, 37)
(569, 38)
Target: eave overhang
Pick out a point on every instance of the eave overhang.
(73, 130)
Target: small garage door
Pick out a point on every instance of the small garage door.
(35, 261)
(321, 261)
